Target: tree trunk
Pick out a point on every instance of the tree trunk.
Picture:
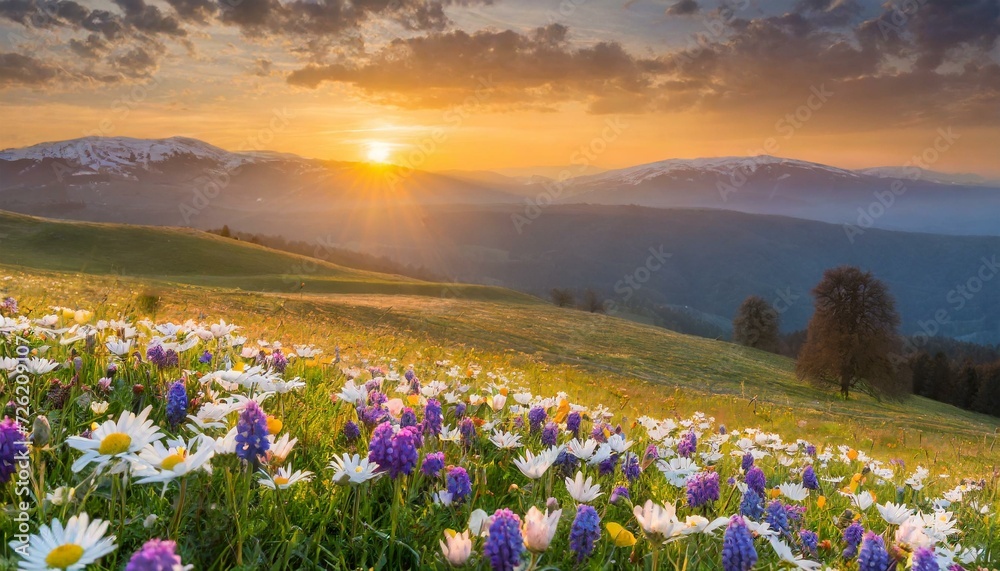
(845, 386)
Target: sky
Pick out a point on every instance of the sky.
(501, 84)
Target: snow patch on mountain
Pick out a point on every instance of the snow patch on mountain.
(722, 166)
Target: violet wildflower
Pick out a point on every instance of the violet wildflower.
(177, 403)
(394, 452)
(205, 358)
(722, 429)
(598, 432)
(566, 463)
(351, 431)
(373, 415)
(752, 505)
(251, 434)
(809, 540)
(468, 430)
(777, 517)
(924, 560)
(852, 537)
(156, 555)
(811, 450)
(585, 531)
(505, 543)
(377, 398)
(550, 434)
(631, 468)
(573, 423)
(873, 556)
(702, 488)
(279, 362)
(747, 462)
(618, 493)
(12, 445)
(432, 417)
(809, 480)
(536, 416)
(608, 465)
(738, 553)
(756, 481)
(408, 417)
(433, 464)
(460, 410)
(687, 444)
(8, 306)
(458, 483)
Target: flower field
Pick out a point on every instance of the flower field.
(152, 444)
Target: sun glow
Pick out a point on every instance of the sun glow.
(378, 152)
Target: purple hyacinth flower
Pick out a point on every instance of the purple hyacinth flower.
(351, 431)
(573, 423)
(809, 479)
(458, 483)
(394, 452)
(702, 488)
(550, 434)
(251, 434)
(688, 444)
(631, 468)
(432, 417)
(747, 462)
(873, 556)
(756, 481)
(752, 505)
(13, 444)
(505, 544)
(177, 403)
(536, 416)
(155, 555)
(924, 560)
(433, 464)
(408, 417)
(585, 531)
(738, 553)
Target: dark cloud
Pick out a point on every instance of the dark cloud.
(196, 11)
(684, 8)
(293, 19)
(440, 68)
(21, 70)
(136, 63)
(149, 19)
(93, 47)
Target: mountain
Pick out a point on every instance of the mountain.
(932, 176)
(659, 263)
(801, 189)
(183, 181)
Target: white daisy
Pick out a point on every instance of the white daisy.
(116, 440)
(353, 470)
(71, 548)
(158, 463)
(285, 478)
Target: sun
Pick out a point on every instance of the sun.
(379, 152)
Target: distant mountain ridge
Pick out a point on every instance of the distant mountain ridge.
(205, 186)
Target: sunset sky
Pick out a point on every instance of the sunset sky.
(513, 83)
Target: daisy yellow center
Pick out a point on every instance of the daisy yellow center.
(114, 443)
(281, 480)
(358, 470)
(64, 556)
(174, 459)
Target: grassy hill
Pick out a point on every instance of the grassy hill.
(190, 256)
(594, 358)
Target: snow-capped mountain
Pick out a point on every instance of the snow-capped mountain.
(186, 181)
(719, 166)
(917, 173)
(124, 155)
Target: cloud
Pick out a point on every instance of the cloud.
(684, 8)
(20, 70)
(439, 69)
